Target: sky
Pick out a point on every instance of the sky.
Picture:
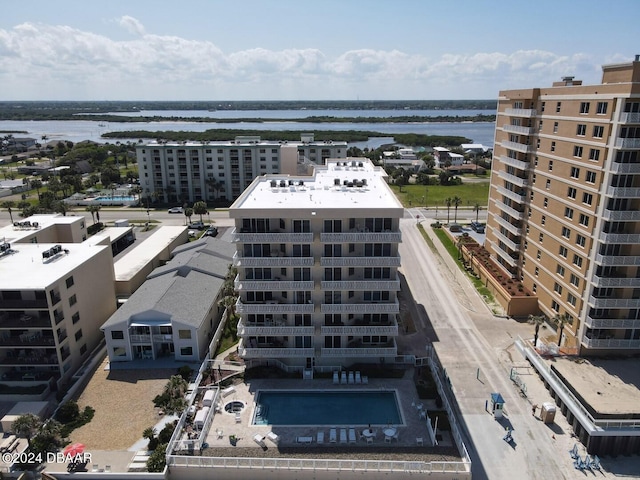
(305, 49)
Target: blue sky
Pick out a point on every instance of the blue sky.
(305, 50)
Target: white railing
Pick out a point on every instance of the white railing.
(360, 261)
(162, 337)
(615, 282)
(620, 260)
(619, 238)
(628, 143)
(511, 211)
(272, 285)
(240, 261)
(275, 352)
(360, 308)
(502, 254)
(140, 338)
(597, 302)
(274, 307)
(358, 330)
(370, 285)
(629, 117)
(361, 237)
(623, 192)
(518, 129)
(621, 215)
(271, 237)
(359, 352)
(504, 239)
(617, 167)
(612, 322)
(273, 330)
(518, 147)
(610, 343)
(520, 112)
(522, 182)
(514, 163)
(512, 195)
(508, 225)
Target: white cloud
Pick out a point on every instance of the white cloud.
(39, 61)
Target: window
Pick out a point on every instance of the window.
(73, 300)
(555, 306)
(536, 271)
(69, 282)
(535, 287)
(580, 240)
(590, 177)
(83, 349)
(557, 288)
(539, 255)
(601, 108)
(594, 154)
(540, 125)
(553, 146)
(548, 184)
(574, 280)
(117, 334)
(584, 107)
(577, 151)
(584, 220)
(566, 233)
(119, 352)
(571, 299)
(184, 334)
(560, 270)
(545, 202)
(75, 318)
(555, 127)
(541, 237)
(575, 172)
(581, 130)
(568, 212)
(577, 261)
(542, 106)
(543, 220)
(571, 192)
(562, 251)
(598, 131)
(78, 335)
(186, 351)
(550, 165)
(558, 105)
(587, 198)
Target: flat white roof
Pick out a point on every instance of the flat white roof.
(324, 189)
(13, 234)
(25, 269)
(240, 141)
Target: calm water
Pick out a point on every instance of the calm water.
(79, 130)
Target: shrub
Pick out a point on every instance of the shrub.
(96, 227)
(68, 412)
(185, 372)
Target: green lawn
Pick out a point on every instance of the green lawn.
(470, 193)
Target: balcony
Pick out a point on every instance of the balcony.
(33, 357)
(360, 261)
(9, 304)
(629, 117)
(504, 255)
(360, 308)
(504, 239)
(514, 163)
(521, 182)
(621, 192)
(520, 112)
(274, 329)
(599, 302)
(17, 320)
(623, 323)
(273, 285)
(362, 351)
(511, 195)
(274, 261)
(140, 338)
(162, 337)
(274, 307)
(617, 260)
(625, 167)
(28, 339)
(273, 237)
(360, 330)
(610, 343)
(621, 215)
(508, 225)
(366, 285)
(518, 215)
(270, 352)
(361, 237)
(518, 129)
(628, 143)
(518, 147)
(622, 238)
(616, 282)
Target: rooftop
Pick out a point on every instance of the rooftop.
(13, 234)
(341, 184)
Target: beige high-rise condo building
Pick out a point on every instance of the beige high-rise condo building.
(317, 259)
(564, 206)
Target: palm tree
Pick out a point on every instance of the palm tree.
(37, 184)
(536, 320)
(93, 209)
(448, 201)
(456, 202)
(27, 426)
(200, 208)
(476, 208)
(561, 320)
(149, 433)
(188, 212)
(9, 204)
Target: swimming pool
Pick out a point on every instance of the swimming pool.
(342, 407)
(115, 198)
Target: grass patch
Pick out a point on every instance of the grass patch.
(470, 193)
(229, 335)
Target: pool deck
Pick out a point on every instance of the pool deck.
(412, 427)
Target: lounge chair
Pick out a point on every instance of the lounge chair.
(574, 451)
(259, 439)
(369, 440)
(273, 437)
(595, 463)
(365, 380)
(219, 433)
(352, 435)
(336, 379)
(343, 378)
(320, 437)
(358, 378)
(333, 435)
(351, 378)
(238, 418)
(343, 435)
(419, 441)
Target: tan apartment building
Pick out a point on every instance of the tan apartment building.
(564, 204)
(317, 259)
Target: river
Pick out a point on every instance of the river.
(79, 130)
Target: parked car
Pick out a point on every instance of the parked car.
(477, 227)
(211, 232)
(176, 210)
(196, 226)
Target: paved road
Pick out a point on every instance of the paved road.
(477, 351)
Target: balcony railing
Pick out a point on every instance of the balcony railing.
(361, 237)
(522, 182)
(162, 337)
(520, 112)
(518, 147)
(360, 261)
(360, 308)
(9, 304)
(624, 323)
(518, 215)
(630, 143)
(276, 329)
(629, 117)
(369, 285)
(359, 352)
(508, 225)
(240, 261)
(274, 307)
(274, 237)
(598, 302)
(270, 352)
(514, 163)
(504, 239)
(140, 338)
(273, 285)
(622, 192)
(610, 343)
(504, 255)
(625, 167)
(625, 238)
(518, 129)
(617, 260)
(613, 282)
(621, 215)
(359, 330)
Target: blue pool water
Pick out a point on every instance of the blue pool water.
(361, 407)
(115, 198)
